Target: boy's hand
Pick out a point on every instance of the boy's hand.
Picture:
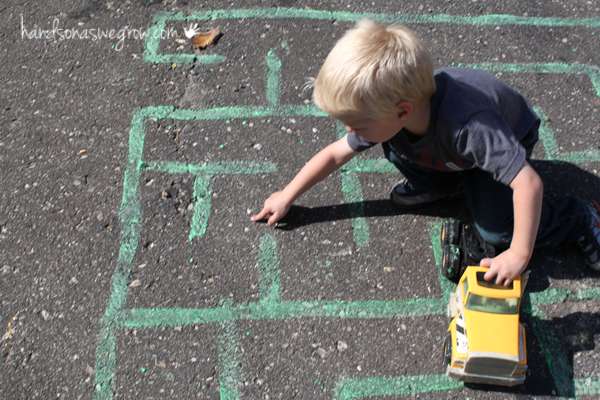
(505, 267)
(275, 208)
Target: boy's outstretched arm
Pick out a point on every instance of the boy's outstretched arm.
(317, 168)
(528, 191)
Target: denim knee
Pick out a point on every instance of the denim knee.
(496, 238)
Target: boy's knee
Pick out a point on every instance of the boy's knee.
(496, 237)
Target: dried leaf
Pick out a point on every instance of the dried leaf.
(204, 39)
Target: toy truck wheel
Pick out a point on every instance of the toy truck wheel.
(450, 233)
(447, 350)
(451, 262)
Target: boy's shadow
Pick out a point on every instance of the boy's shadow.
(551, 343)
(564, 262)
(299, 216)
(559, 178)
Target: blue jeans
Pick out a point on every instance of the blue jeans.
(491, 204)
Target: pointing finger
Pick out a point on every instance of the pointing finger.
(261, 215)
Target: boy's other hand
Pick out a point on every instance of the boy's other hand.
(505, 267)
(275, 208)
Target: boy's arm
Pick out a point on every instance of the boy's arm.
(317, 168)
(528, 191)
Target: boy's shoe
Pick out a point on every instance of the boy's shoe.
(589, 242)
(406, 195)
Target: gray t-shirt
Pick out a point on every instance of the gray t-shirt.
(476, 121)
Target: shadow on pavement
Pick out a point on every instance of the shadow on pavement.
(551, 347)
(559, 178)
(551, 343)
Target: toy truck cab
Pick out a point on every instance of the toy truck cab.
(486, 341)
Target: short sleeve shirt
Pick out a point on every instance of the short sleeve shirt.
(476, 121)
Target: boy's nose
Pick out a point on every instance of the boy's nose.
(348, 129)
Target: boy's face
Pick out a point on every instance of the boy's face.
(377, 131)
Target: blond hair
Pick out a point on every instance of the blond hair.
(372, 68)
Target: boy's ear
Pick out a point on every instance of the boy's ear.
(405, 108)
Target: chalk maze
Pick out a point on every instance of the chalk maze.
(271, 306)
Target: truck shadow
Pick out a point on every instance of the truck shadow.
(552, 345)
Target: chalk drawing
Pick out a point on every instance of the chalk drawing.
(152, 43)
(270, 305)
(362, 388)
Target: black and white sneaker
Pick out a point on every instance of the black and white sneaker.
(406, 195)
(589, 242)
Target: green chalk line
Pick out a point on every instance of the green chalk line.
(356, 165)
(552, 152)
(550, 347)
(268, 262)
(130, 215)
(129, 218)
(346, 16)
(592, 71)
(547, 136)
(152, 45)
(360, 388)
(560, 295)
(142, 318)
(273, 78)
(232, 112)
(202, 207)
(588, 294)
(352, 191)
(370, 166)
(229, 371)
(152, 42)
(537, 68)
(211, 169)
(589, 386)
(556, 360)
(340, 129)
(595, 78)
(548, 296)
(106, 363)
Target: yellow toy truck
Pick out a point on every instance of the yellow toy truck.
(485, 341)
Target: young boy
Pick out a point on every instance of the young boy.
(447, 131)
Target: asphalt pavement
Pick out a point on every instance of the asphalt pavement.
(130, 166)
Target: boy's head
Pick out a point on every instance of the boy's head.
(370, 70)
